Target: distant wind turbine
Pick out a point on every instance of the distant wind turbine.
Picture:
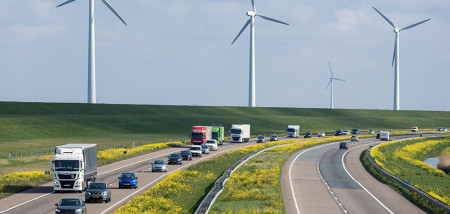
(91, 49)
(396, 57)
(251, 21)
(332, 78)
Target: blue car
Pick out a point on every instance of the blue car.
(128, 179)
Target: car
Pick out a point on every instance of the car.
(414, 129)
(205, 149)
(346, 132)
(196, 150)
(186, 155)
(442, 129)
(343, 145)
(356, 131)
(213, 145)
(70, 205)
(321, 134)
(261, 139)
(159, 165)
(354, 138)
(338, 132)
(97, 191)
(308, 135)
(371, 131)
(128, 179)
(175, 158)
(274, 138)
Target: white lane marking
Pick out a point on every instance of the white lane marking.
(290, 176)
(376, 199)
(26, 202)
(157, 180)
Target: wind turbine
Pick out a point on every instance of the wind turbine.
(396, 57)
(252, 14)
(91, 49)
(332, 78)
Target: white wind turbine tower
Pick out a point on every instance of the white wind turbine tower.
(252, 14)
(332, 78)
(396, 57)
(91, 49)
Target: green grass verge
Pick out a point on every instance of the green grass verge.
(408, 194)
(45, 125)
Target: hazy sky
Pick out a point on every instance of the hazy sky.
(178, 52)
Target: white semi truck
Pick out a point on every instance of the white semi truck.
(74, 166)
(293, 131)
(384, 135)
(240, 133)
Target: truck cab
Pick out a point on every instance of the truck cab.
(293, 131)
(199, 135)
(240, 133)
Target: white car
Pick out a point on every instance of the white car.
(213, 145)
(196, 150)
(346, 132)
(321, 134)
(354, 138)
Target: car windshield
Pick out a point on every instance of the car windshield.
(127, 175)
(185, 152)
(174, 155)
(67, 165)
(205, 146)
(236, 131)
(339, 130)
(261, 137)
(210, 141)
(346, 131)
(274, 136)
(159, 162)
(197, 135)
(308, 132)
(196, 148)
(70, 202)
(97, 186)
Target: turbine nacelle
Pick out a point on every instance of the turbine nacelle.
(396, 30)
(251, 13)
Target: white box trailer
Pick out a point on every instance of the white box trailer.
(240, 133)
(293, 131)
(384, 135)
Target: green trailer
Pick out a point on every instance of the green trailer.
(218, 134)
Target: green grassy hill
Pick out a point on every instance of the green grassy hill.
(44, 125)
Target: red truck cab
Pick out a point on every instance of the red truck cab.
(198, 136)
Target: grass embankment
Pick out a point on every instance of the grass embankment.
(45, 125)
(404, 159)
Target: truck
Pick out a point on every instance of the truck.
(200, 134)
(293, 131)
(74, 166)
(240, 133)
(218, 132)
(384, 135)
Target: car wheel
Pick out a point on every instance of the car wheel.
(86, 201)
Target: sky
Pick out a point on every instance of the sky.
(178, 52)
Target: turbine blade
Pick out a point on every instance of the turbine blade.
(385, 18)
(112, 9)
(66, 2)
(331, 70)
(395, 52)
(411, 26)
(328, 83)
(243, 28)
(339, 79)
(271, 19)
(253, 6)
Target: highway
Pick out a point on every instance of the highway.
(324, 179)
(42, 199)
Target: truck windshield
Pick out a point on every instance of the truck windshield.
(215, 135)
(197, 135)
(291, 130)
(67, 165)
(236, 131)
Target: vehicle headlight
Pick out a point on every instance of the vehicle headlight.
(57, 210)
(133, 181)
(78, 211)
(105, 193)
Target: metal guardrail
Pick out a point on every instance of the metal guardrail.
(423, 194)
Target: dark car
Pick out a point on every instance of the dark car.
(70, 205)
(274, 138)
(128, 179)
(338, 132)
(186, 155)
(175, 158)
(308, 135)
(97, 191)
(356, 131)
(343, 145)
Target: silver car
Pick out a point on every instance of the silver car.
(354, 138)
(321, 134)
(97, 191)
(159, 166)
(205, 149)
